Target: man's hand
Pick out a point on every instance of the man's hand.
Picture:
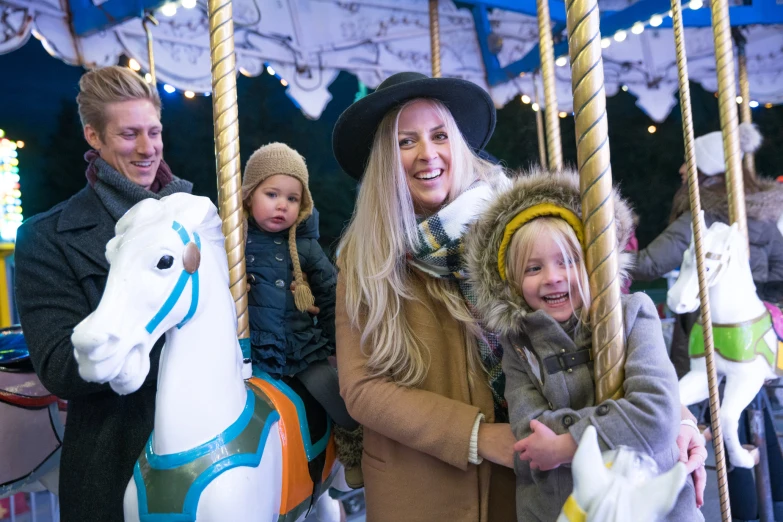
(544, 449)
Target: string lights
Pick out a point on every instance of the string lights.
(170, 9)
(621, 35)
(10, 193)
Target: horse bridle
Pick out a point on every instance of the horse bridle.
(191, 262)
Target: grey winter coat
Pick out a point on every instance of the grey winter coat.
(766, 244)
(283, 339)
(646, 419)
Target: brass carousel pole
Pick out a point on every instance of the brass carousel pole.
(698, 234)
(748, 161)
(727, 101)
(540, 129)
(149, 19)
(546, 50)
(595, 173)
(224, 109)
(435, 39)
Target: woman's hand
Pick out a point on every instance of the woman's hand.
(693, 453)
(496, 443)
(544, 449)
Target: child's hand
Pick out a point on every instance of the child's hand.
(544, 449)
(313, 310)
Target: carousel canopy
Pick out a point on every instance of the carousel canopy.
(493, 43)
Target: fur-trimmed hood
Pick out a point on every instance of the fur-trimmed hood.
(500, 306)
(765, 205)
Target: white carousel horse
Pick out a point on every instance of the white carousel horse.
(32, 423)
(619, 485)
(219, 447)
(744, 337)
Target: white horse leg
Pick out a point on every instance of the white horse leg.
(338, 482)
(131, 502)
(743, 382)
(693, 385)
(51, 480)
(244, 493)
(326, 509)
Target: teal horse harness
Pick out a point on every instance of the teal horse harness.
(169, 486)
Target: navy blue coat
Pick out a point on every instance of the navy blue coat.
(284, 340)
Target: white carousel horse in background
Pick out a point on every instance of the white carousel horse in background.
(619, 485)
(216, 452)
(745, 341)
(32, 422)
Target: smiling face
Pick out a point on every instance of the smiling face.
(546, 278)
(425, 151)
(132, 141)
(276, 202)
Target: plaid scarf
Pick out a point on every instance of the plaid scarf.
(439, 254)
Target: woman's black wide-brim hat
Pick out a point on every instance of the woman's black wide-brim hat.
(469, 104)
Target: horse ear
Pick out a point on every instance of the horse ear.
(657, 496)
(196, 213)
(590, 474)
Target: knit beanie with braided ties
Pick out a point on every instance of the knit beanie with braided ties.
(279, 158)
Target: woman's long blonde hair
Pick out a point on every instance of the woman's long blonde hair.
(372, 254)
(521, 248)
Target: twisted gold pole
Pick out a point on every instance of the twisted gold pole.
(727, 101)
(547, 53)
(540, 129)
(595, 172)
(224, 108)
(435, 38)
(149, 19)
(698, 231)
(749, 160)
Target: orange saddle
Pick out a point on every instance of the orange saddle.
(298, 488)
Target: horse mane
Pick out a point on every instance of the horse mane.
(195, 213)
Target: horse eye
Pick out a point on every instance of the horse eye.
(165, 262)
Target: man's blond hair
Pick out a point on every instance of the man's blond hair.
(101, 87)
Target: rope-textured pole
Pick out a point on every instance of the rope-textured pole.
(435, 39)
(698, 231)
(149, 19)
(749, 160)
(224, 108)
(595, 173)
(727, 101)
(540, 129)
(553, 144)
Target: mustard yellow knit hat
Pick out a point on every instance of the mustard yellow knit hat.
(267, 161)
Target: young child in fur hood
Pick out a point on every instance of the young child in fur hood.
(281, 245)
(526, 263)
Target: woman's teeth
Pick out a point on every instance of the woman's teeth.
(556, 298)
(142, 164)
(430, 175)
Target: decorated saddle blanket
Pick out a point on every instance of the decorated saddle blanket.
(169, 486)
(743, 342)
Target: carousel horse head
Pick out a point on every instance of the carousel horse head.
(619, 485)
(159, 249)
(722, 243)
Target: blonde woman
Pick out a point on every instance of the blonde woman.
(61, 271)
(414, 368)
